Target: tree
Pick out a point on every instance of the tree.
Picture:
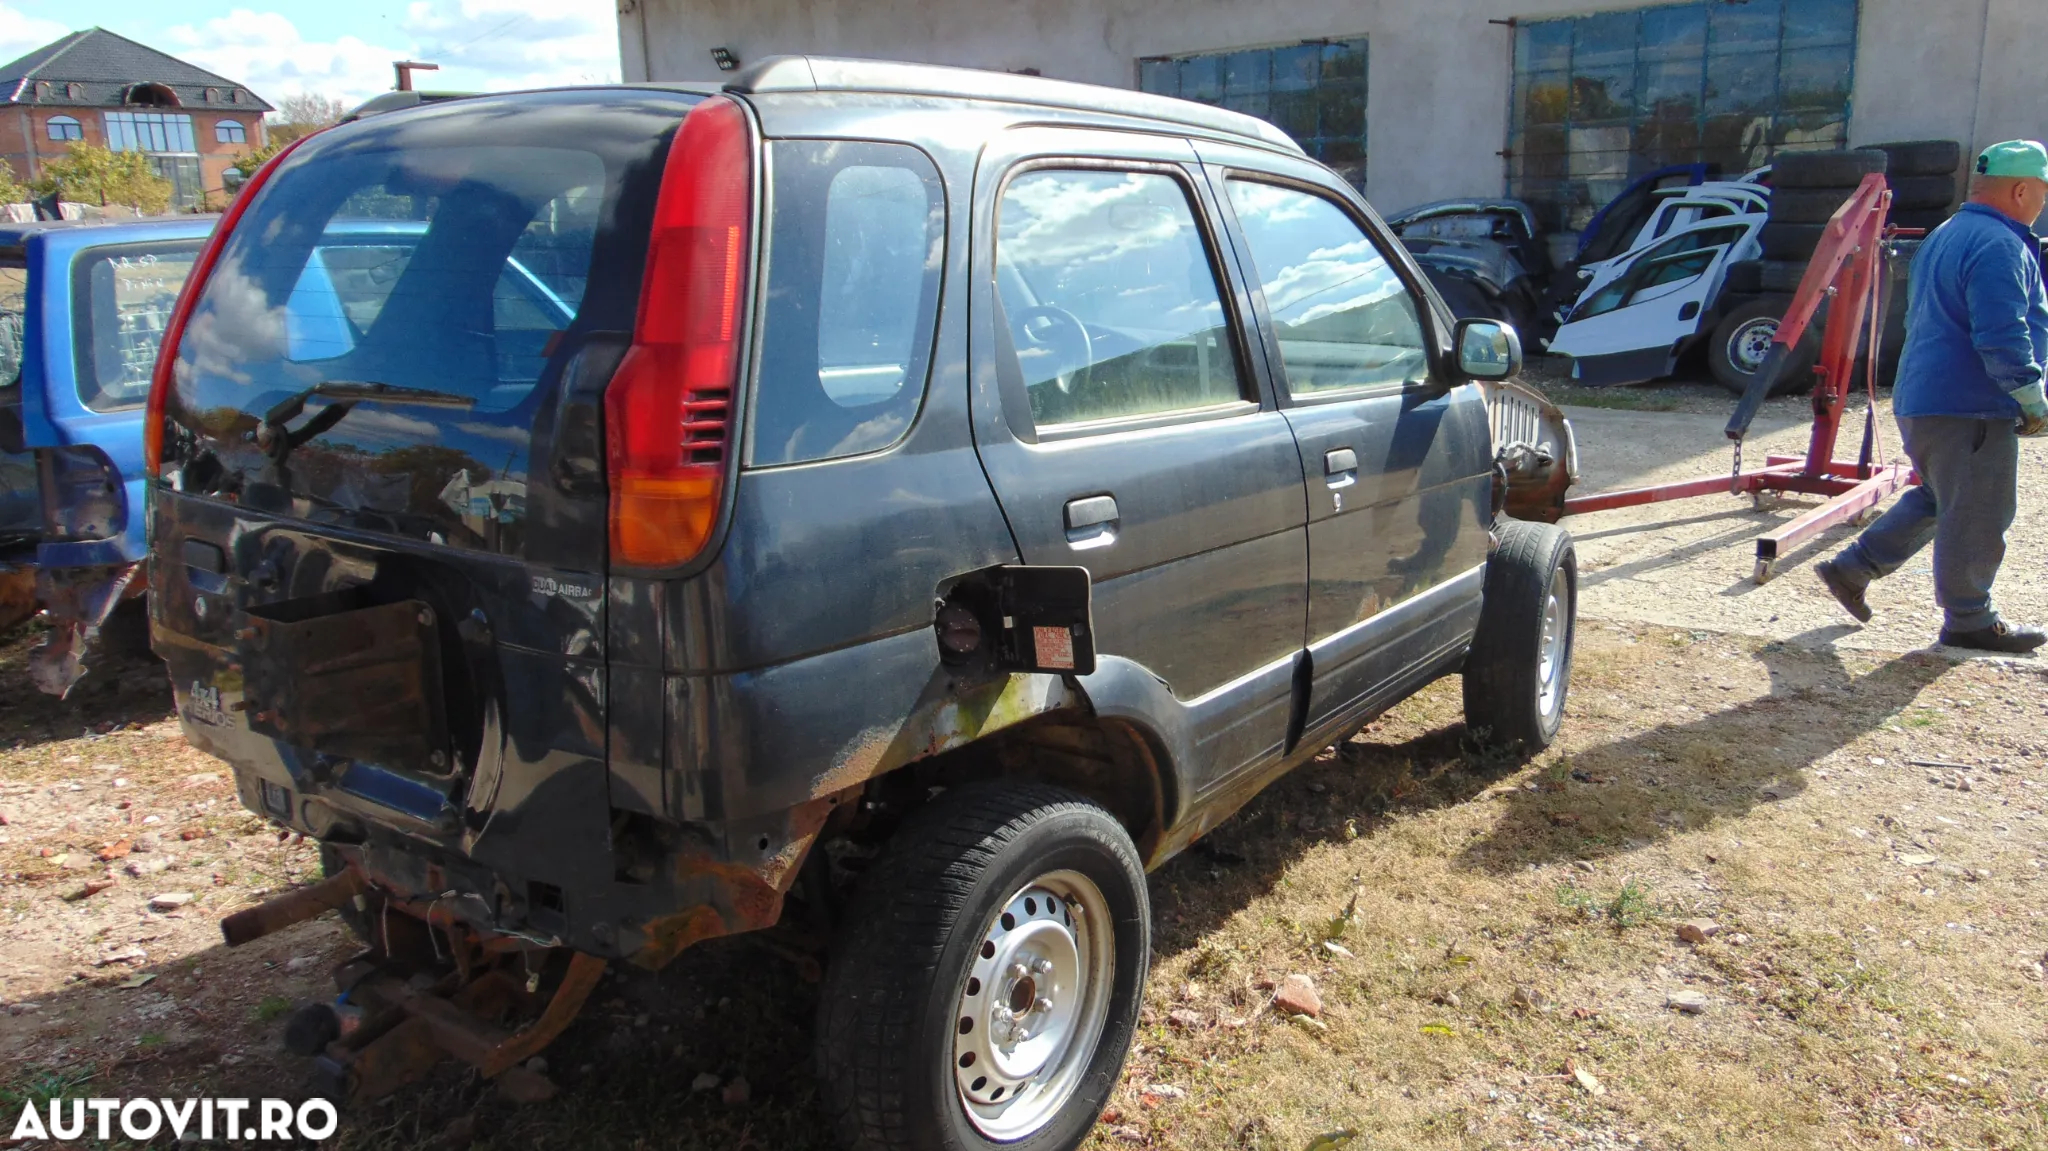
(303, 113)
(90, 174)
(248, 162)
(10, 191)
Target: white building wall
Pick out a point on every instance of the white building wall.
(1437, 104)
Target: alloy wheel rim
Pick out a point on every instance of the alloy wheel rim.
(1556, 630)
(1034, 1005)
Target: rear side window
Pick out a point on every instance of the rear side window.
(1110, 301)
(854, 256)
(1343, 318)
(121, 299)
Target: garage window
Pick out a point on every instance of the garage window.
(1602, 99)
(1314, 92)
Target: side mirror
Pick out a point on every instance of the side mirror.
(1487, 349)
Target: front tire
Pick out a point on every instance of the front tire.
(985, 988)
(1520, 666)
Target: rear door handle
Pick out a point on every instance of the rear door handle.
(1340, 467)
(1091, 522)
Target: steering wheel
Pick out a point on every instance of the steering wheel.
(1064, 335)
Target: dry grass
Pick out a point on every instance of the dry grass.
(1507, 923)
(1508, 929)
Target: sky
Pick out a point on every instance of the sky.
(344, 48)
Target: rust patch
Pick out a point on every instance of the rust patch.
(751, 895)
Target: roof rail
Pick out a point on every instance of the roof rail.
(837, 74)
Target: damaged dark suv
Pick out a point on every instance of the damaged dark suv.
(905, 502)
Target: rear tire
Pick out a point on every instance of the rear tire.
(928, 1040)
(1519, 669)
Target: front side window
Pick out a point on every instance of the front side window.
(855, 247)
(1109, 300)
(149, 132)
(122, 299)
(1343, 317)
(230, 132)
(65, 128)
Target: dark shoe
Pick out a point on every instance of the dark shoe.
(1847, 592)
(2013, 639)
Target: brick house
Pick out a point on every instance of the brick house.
(102, 88)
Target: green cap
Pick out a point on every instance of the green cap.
(2014, 158)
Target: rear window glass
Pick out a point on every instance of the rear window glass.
(853, 276)
(122, 298)
(396, 304)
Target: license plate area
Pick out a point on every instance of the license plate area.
(348, 681)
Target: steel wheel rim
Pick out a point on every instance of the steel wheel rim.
(1750, 343)
(1552, 654)
(1023, 1040)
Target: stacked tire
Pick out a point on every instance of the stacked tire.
(1806, 190)
(1923, 176)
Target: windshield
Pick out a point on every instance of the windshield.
(121, 300)
(13, 307)
(388, 316)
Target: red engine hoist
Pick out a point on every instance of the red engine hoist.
(1848, 269)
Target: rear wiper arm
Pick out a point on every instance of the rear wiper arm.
(288, 409)
(279, 441)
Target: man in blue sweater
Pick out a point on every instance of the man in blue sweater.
(1969, 384)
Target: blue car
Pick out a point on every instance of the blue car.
(82, 311)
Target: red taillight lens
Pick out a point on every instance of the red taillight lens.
(668, 411)
(160, 382)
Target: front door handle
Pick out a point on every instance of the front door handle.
(1340, 467)
(1091, 522)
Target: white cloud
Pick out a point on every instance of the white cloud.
(481, 45)
(265, 51)
(21, 33)
(517, 43)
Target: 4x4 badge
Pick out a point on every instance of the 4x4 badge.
(203, 705)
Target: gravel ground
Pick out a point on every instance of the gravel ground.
(1689, 563)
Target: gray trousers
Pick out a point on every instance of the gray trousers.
(1968, 495)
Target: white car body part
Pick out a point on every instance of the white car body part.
(1641, 309)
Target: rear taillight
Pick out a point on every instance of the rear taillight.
(161, 380)
(668, 410)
